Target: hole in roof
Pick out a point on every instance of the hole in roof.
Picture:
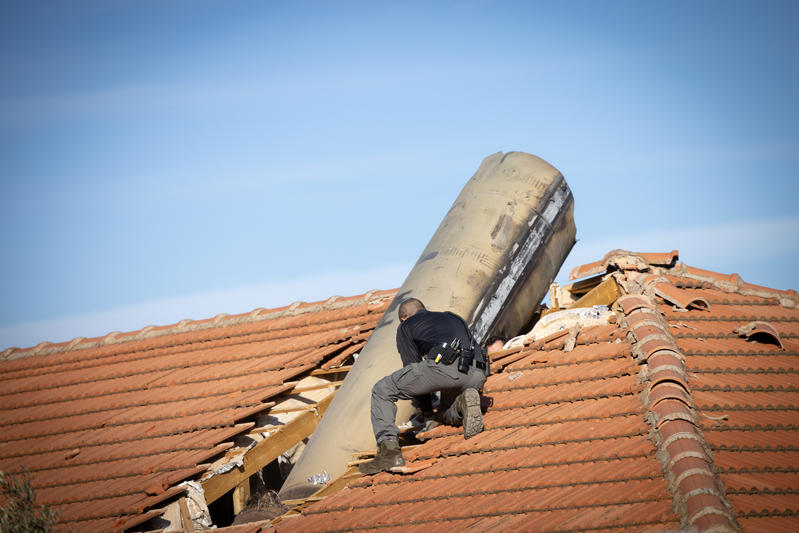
(764, 337)
(761, 332)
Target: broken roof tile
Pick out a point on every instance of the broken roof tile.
(760, 330)
(624, 260)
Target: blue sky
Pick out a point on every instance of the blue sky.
(162, 160)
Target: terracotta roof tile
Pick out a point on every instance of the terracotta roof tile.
(566, 445)
(666, 418)
(108, 426)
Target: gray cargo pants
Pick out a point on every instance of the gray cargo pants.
(417, 379)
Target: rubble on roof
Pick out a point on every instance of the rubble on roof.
(563, 320)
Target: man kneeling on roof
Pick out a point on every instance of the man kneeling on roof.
(438, 353)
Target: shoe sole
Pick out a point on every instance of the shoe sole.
(473, 419)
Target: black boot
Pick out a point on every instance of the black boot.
(468, 406)
(388, 456)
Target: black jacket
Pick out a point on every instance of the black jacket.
(426, 329)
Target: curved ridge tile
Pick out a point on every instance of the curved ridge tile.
(698, 494)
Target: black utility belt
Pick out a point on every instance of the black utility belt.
(479, 364)
(445, 353)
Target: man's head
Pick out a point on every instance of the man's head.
(495, 344)
(409, 307)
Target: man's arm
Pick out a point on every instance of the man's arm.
(409, 353)
(407, 349)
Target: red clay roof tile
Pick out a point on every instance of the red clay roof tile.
(564, 442)
(566, 445)
(564, 426)
(108, 426)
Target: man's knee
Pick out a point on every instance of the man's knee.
(384, 389)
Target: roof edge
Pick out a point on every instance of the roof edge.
(221, 320)
(734, 283)
(668, 263)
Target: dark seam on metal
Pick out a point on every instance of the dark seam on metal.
(528, 248)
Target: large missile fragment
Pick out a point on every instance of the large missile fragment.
(491, 261)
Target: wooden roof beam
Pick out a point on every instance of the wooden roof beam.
(266, 451)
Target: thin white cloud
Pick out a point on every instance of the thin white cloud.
(704, 246)
(132, 98)
(203, 305)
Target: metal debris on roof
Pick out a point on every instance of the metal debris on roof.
(319, 479)
(563, 320)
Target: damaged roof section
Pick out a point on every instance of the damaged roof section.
(565, 448)
(654, 397)
(108, 427)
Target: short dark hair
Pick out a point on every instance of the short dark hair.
(410, 307)
(494, 338)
